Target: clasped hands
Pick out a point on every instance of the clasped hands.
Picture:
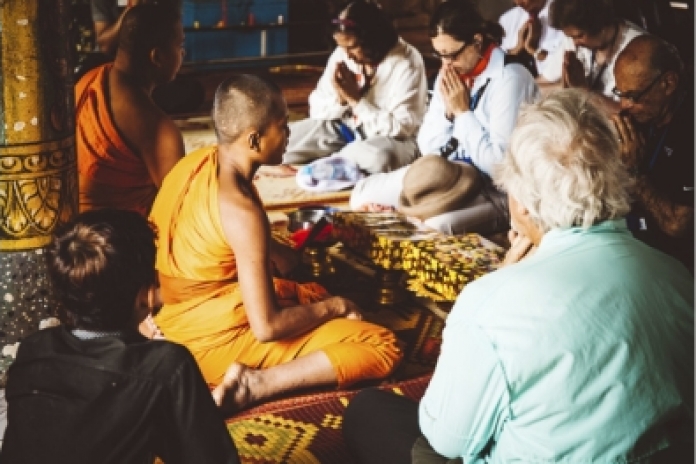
(454, 92)
(631, 142)
(528, 37)
(573, 72)
(346, 84)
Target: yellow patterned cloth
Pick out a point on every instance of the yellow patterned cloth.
(440, 265)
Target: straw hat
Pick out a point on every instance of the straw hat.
(434, 185)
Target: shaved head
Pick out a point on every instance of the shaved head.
(651, 54)
(245, 102)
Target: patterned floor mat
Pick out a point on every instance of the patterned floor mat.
(304, 429)
(307, 428)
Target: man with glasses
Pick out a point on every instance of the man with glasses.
(656, 133)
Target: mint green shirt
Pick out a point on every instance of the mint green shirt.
(567, 356)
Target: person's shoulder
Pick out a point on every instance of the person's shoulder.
(90, 78)
(517, 73)
(511, 16)
(404, 56)
(40, 342)
(631, 31)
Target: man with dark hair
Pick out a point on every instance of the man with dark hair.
(125, 143)
(656, 131)
(595, 35)
(369, 103)
(94, 389)
(253, 335)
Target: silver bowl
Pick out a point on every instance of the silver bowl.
(305, 218)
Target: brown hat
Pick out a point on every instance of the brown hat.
(434, 185)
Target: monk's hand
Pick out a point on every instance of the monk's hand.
(573, 71)
(343, 307)
(455, 93)
(521, 247)
(346, 84)
(631, 142)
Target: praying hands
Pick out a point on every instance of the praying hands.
(455, 93)
(346, 84)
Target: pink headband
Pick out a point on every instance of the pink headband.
(345, 23)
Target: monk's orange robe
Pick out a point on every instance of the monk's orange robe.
(203, 305)
(111, 174)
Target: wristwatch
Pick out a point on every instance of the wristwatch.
(540, 54)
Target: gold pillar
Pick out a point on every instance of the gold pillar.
(38, 174)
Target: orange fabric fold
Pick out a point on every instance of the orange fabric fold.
(111, 174)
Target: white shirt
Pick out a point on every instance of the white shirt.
(395, 103)
(568, 356)
(483, 134)
(554, 69)
(551, 39)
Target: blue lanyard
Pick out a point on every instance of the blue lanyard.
(473, 103)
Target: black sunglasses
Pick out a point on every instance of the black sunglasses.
(634, 95)
(449, 56)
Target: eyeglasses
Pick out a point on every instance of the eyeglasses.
(449, 56)
(635, 95)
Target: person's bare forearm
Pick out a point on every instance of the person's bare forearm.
(292, 321)
(674, 219)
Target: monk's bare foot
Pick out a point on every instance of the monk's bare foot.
(235, 391)
(375, 208)
(281, 170)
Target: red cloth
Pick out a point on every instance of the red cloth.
(299, 236)
(480, 66)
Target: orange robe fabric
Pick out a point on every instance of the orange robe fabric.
(203, 305)
(111, 174)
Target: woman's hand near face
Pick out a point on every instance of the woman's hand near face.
(455, 93)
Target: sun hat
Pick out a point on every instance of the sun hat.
(434, 185)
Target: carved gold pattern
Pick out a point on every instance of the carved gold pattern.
(38, 189)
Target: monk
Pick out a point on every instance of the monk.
(125, 143)
(253, 335)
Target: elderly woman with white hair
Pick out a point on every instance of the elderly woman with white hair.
(580, 352)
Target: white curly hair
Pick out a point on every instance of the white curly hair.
(563, 163)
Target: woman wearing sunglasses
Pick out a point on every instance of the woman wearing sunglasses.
(473, 110)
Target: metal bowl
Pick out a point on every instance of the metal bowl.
(306, 218)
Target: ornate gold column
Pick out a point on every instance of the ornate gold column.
(38, 174)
